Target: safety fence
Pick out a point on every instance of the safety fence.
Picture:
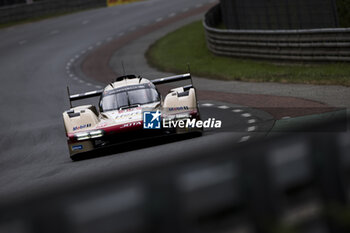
(311, 45)
(291, 183)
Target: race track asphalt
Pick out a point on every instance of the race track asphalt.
(33, 68)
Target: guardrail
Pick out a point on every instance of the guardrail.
(312, 45)
(20, 12)
(292, 183)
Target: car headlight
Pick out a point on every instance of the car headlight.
(169, 118)
(177, 117)
(82, 136)
(183, 116)
(96, 134)
(88, 135)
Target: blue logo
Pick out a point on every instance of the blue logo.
(78, 147)
(151, 120)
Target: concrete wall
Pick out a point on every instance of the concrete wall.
(279, 14)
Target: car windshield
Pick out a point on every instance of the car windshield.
(128, 98)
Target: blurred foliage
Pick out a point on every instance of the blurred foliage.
(340, 215)
(344, 12)
(15, 2)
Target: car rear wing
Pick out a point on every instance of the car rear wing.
(96, 93)
(81, 96)
(171, 79)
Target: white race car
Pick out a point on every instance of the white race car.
(125, 106)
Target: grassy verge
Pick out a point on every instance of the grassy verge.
(187, 45)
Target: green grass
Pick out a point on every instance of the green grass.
(187, 45)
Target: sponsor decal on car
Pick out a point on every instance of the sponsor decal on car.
(129, 114)
(130, 110)
(77, 147)
(81, 127)
(179, 108)
(101, 125)
(132, 124)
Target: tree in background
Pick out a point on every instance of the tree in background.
(344, 12)
(15, 2)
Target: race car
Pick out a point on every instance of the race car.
(130, 108)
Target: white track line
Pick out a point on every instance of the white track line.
(246, 115)
(172, 14)
(223, 107)
(251, 128)
(251, 121)
(237, 110)
(184, 10)
(207, 105)
(159, 19)
(244, 139)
